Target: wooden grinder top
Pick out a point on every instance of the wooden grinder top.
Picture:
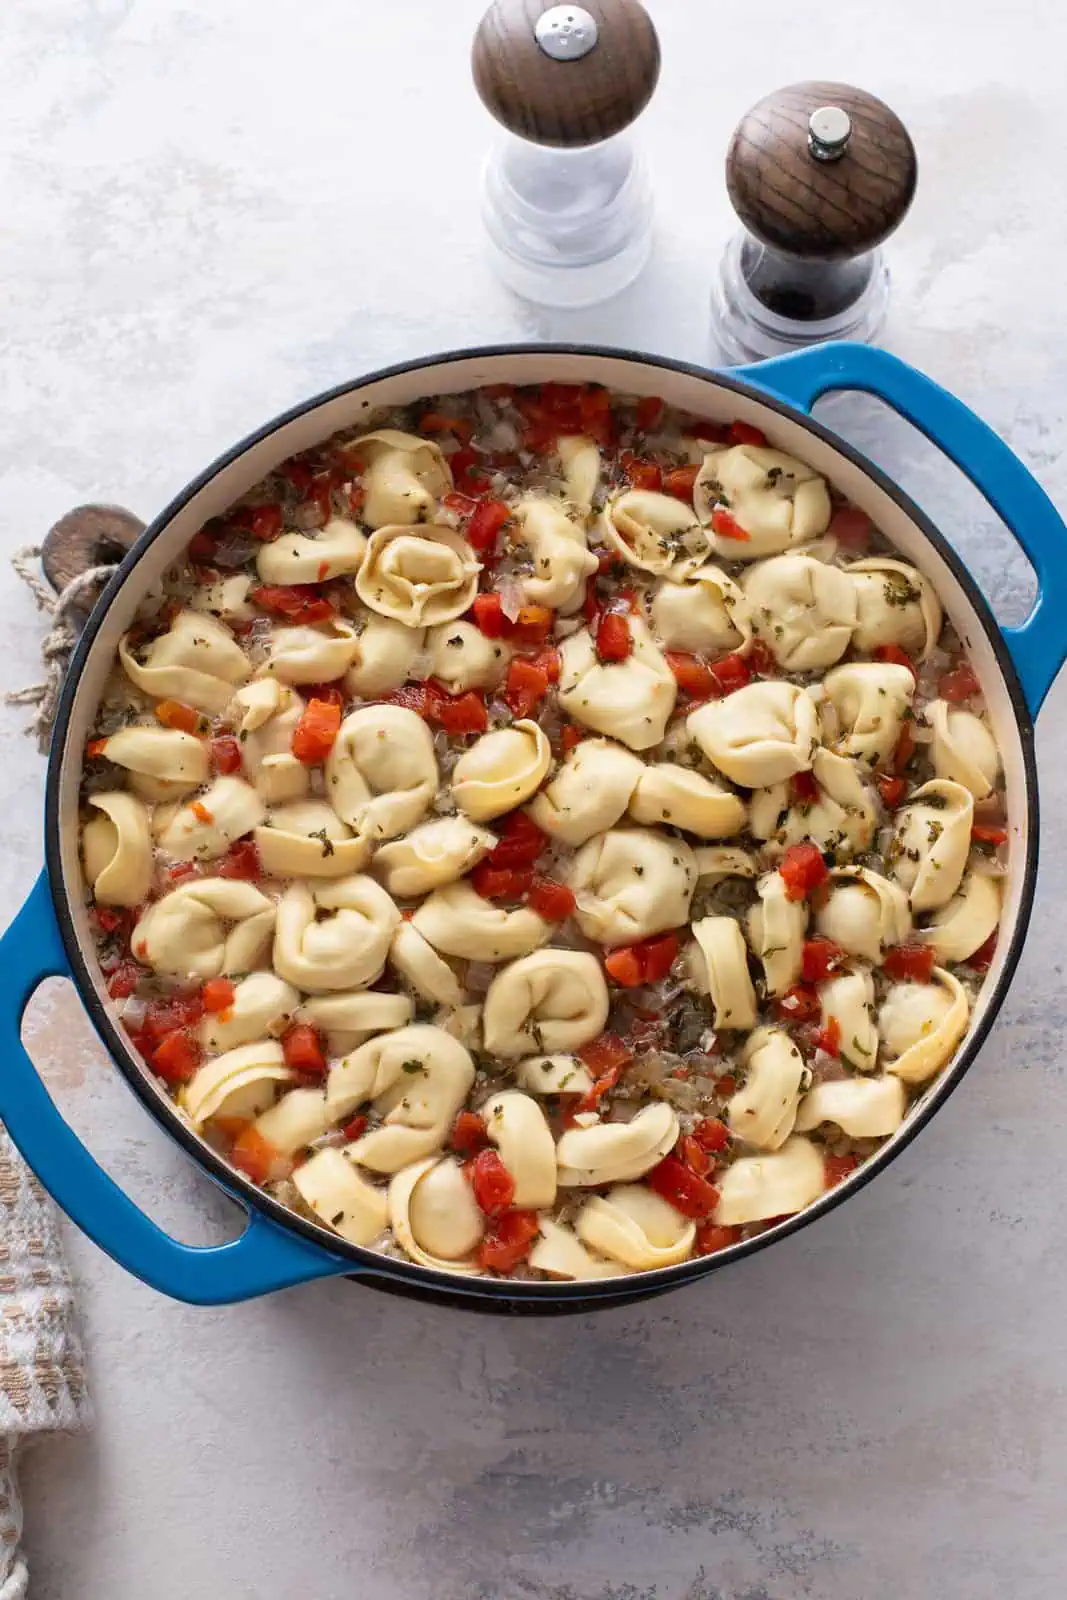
(820, 200)
(566, 75)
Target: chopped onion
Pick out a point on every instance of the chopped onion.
(510, 594)
(133, 1010)
(420, 667)
(235, 550)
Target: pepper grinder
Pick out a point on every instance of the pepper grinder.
(566, 199)
(820, 174)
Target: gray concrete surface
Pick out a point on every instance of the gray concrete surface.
(214, 207)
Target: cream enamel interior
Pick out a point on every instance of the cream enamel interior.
(704, 396)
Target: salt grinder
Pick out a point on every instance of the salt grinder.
(820, 174)
(566, 199)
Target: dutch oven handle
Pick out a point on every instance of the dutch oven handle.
(1039, 645)
(263, 1259)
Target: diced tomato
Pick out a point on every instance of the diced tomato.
(727, 526)
(852, 529)
(602, 1085)
(821, 959)
(730, 673)
(989, 833)
(106, 918)
(297, 602)
(909, 963)
(726, 1086)
(646, 962)
(201, 812)
(316, 509)
(501, 883)
(892, 790)
(649, 411)
(640, 474)
(959, 684)
(241, 861)
(520, 841)
(838, 1168)
(693, 1154)
(508, 1241)
(492, 1183)
(356, 497)
(441, 422)
(803, 869)
(604, 1052)
(464, 713)
(303, 1050)
(895, 656)
(176, 1057)
(613, 641)
(164, 1017)
(829, 1038)
(745, 433)
(123, 981)
(570, 737)
(982, 959)
(525, 687)
(681, 481)
(624, 967)
(217, 994)
(692, 675)
(181, 871)
(688, 1193)
(760, 660)
(95, 748)
(173, 714)
(708, 432)
(798, 1004)
(330, 694)
(489, 617)
(469, 1134)
(202, 547)
(548, 661)
(711, 1134)
(355, 1128)
(316, 732)
(468, 474)
(533, 625)
(462, 504)
(803, 788)
(905, 748)
(486, 523)
(257, 1158)
(711, 1238)
(551, 900)
(226, 755)
(597, 418)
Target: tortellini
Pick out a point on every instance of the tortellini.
(458, 922)
(847, 1000)
(384, 656)
(931, 843)
(864, 1108)
(336, 550)
(579, 458)
(501, 770)
(516, 1125)
(804, 610)
(241, 1083)
(417, 1079)
(776, 928)
(260, 1003)
(718, 965)
(226, 599)
(707, 613)
(631, 883)
(340, 1197)
(381, 774)
(197, 661)
(293, 1122)
(117, 849)
(163, 763)
(717, 862)
(561, 561)
(418, 577)
(921, 1024)
(561, 1254)
(840, 818)
(305, 654)
(307, 839)
(204, 928)
(764, 1110)
(895, 605)
(266, 714)
(655, 533)
(431, 855)
(870, 701)
(462, 658)
(964, 751)
(349, 1019)
(961, 927)
(418, 963)
(548, 1001)
(773, 498)
(434, 1215)
(616, 1152)
(682, 798)
(864, 913)
(759, 735)
(207, 827)
(589, 793)
(628, 700)
(757, 1188)
(632, 1225)
(333, 935)
(403, 476)
(553, 1075)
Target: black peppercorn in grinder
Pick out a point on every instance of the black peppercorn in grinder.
(820, 174)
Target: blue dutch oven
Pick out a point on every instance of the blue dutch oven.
(51, 936)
